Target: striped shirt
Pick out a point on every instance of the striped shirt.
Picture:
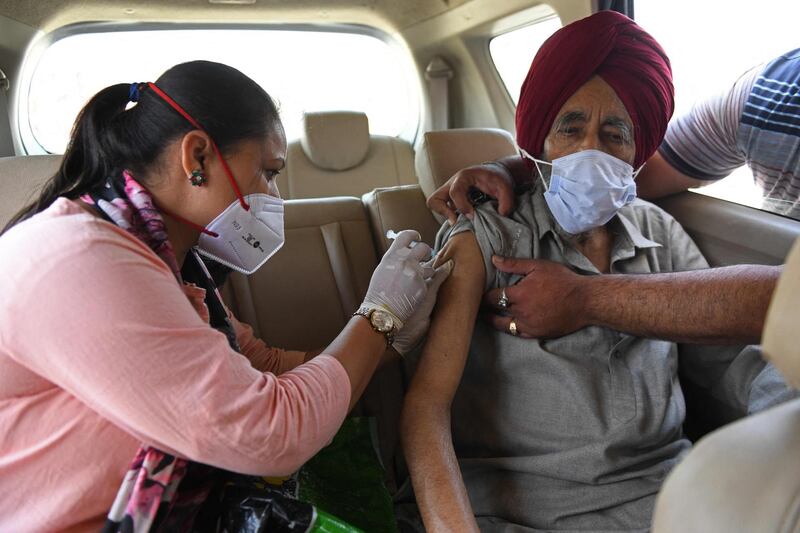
(755, 122)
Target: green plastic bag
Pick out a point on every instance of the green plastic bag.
(346, 478)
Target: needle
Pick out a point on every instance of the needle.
(392, 235)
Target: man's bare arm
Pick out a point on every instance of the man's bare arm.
(425, 424)
(725, 305)
(658, 178)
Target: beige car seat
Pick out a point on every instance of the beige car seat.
(441, 154)
(304, 295)
(337, 156)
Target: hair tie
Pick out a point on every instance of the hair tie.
(133, 92)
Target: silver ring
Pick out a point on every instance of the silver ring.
(512, 327)
(503, 301)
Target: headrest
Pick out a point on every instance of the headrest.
(443, 153)
(780, 332)
(335, 140)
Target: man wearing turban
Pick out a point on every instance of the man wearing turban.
(505, 432)
(720, 305)
(612, 47)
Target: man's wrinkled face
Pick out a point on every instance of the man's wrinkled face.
(593, 118)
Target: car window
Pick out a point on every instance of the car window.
(710, 45)
(513, 51)
(301, 70)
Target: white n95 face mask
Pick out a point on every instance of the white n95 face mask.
(587, 188)
(245, 238)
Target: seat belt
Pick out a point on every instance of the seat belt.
(6, 141)
(438, 73)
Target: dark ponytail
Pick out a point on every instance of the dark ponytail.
(107, 138)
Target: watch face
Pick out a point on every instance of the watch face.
(382, 321)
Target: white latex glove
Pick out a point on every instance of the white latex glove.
(399, 284)
(417, 326)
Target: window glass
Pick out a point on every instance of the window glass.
(513, 51)
(301, 70)
(710, 45)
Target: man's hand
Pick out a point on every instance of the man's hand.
(491, 178)
(548, 302)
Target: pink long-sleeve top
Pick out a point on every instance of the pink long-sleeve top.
(101, 350)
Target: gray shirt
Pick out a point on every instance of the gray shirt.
(578, 433)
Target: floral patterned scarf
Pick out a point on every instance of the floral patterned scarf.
(160, 492)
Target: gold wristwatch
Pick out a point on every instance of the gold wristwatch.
(381, 321)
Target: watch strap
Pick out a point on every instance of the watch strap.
(366, 312)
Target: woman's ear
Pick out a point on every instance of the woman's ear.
(195, 151)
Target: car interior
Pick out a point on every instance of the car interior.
(347, 182)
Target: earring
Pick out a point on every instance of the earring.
(198, 178)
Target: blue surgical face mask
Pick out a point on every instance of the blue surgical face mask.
(586, 188)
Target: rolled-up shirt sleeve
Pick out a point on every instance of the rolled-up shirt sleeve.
(100, 316)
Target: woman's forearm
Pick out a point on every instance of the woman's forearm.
(359, 349)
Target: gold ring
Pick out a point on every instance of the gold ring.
(512, 327)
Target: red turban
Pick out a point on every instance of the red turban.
(609, 45)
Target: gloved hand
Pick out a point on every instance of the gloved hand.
(417, 326)
(399, 284)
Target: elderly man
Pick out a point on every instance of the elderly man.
(753, 122)
(576, 433)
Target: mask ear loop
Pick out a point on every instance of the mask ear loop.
(197, 227)
(164, 96)
(632, 194)
(535, 162)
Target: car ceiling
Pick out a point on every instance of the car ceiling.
(396, 15)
